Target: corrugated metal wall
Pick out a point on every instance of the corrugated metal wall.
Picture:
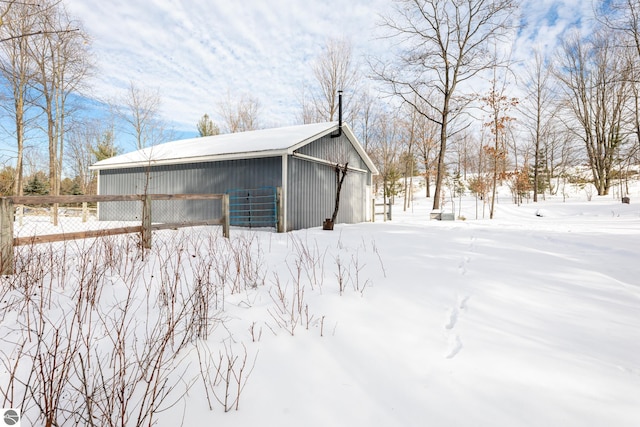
(312, 186)
(310, 189)
(311, 195)
(334, 150)
(208, 177)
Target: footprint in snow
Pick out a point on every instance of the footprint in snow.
(454, 345)
(452, 318)
(463, 303)
(462, 268)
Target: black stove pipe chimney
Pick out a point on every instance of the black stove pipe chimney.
(339, 116)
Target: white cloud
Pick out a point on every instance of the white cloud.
(194, 51)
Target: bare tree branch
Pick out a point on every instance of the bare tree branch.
(440, 45)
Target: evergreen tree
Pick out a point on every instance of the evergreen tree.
(206, 127)
(71, 187)
(105, 148)
(37, 185)
(458, 185)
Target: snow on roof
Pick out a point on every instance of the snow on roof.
(258, 143)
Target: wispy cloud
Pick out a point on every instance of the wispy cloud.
(195, 51)
(546, 22)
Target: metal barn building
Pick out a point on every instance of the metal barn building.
(299, 161)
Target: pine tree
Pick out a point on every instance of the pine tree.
(105, 148)
(206, 127)
(36, 185)
(458, 185)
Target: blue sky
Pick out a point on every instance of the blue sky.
(195, 51)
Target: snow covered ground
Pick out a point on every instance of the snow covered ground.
(519, 321)
(523, 320)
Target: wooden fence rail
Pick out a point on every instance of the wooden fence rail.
(7, 214)
(386, 211)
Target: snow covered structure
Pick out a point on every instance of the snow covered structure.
(298, 160)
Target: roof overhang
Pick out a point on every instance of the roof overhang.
(159, 161)
(194, 159)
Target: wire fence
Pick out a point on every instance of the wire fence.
(42, 219)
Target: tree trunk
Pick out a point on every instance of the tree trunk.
(441, 156)
(341, 174)
(17, 190)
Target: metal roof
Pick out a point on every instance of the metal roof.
(241, 145)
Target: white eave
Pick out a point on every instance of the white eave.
(152, 161)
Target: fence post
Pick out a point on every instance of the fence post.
(280, 210)
(84, 211)
(373, 210)
(54, 214)
(225, 215)
(6, 236)
(146, 221)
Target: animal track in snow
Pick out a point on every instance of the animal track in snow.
(462, 267)
(463, 302)
(452, 318)
(454, 345)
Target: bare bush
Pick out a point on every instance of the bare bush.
(95, 334)
(52, 361)
(342, 275)
(105, 352)
(224, 375)
(355, 269)
(247, 268)
(288, 304)
(256, 334)
(310, 260)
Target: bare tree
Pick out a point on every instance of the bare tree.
(141, 111)
(16, 67)
(479, 184)
(240, 114)
(79, 156)
(497, 105)
(89, 141)
(408, 159)
(61, 57)
(386, 151)
(635, 110)
(539, 107)
(595, 77)
(364, 121)
(426, 144)
(443, 43)
(334, 70)
(341, 170)
(307, 113)
(4, 12)
(623, 17)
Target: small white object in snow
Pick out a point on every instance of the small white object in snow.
(541, 213)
